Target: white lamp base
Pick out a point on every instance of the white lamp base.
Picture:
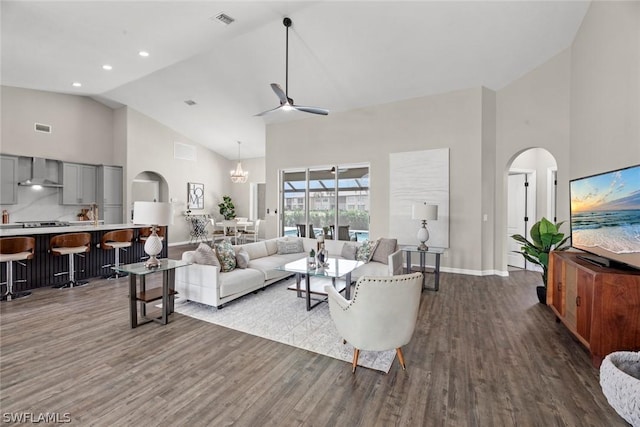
(423, 236)
(152, 247)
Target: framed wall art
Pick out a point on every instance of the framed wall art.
(195, 195)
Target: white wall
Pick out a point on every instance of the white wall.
(82, 129)
(369, 135)
(539, 160)
(605, 89)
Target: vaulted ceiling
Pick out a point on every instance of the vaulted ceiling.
(342, 55)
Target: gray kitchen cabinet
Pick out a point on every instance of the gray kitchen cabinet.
(110, 194)
(79, 184)
(8, 180)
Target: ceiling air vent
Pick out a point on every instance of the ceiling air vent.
(224, 18)
(39, 127)
(190, 102)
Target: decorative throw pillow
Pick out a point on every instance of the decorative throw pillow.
(242, 258)
(365, 251)
(226, 255)
(204, 254)
(290, 246)
(349, 251)
(384, 248)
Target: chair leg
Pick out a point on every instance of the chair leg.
(401, 358)
(356, 353)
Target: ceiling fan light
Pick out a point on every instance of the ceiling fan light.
(287, 107)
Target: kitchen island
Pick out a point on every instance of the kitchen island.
(40, 271)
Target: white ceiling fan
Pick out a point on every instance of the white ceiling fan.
(286, 103)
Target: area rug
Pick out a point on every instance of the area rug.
(279, 315)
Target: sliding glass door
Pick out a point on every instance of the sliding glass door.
(333, 201)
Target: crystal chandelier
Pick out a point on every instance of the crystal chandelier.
(238, 176)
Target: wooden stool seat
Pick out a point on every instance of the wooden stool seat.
(70, 244)
(14, 249)
(116, 240)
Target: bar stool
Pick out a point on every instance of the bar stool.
(70, 244)
(15, 249)
(145, 232)
(117, 239)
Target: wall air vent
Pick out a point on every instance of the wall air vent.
(190, 102)
(224, 18)
(184, 151)
(39, 127)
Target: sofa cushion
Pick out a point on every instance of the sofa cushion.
(384, 248)
(242, 258)
(370, 269)
(205, 255)
(365, 251)
(238, 280)
(272, 246)
(268, 265)
(226, 255)
(349, 251)
(289, 246)
(256, 250)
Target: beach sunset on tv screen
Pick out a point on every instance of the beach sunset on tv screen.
(605, 215)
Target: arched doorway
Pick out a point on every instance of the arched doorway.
(531, 195)
(149, 186)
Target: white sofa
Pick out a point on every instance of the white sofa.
(206, 284)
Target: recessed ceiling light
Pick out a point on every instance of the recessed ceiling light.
(190, 102)
(143, 53)
(76, 84)
(107, 67)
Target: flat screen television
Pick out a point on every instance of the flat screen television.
(605, 216)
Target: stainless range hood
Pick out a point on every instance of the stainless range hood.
(39, 175)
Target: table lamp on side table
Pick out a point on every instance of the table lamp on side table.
(153, 214)
(424, 212)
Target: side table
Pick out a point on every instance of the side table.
(165, 293)
(408, 250)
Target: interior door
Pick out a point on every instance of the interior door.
(516, 210)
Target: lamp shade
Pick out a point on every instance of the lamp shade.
(423, 211)
(152, 213)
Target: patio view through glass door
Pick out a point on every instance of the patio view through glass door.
(333, 201)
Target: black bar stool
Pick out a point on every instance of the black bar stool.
(70, 244)
(15, 249)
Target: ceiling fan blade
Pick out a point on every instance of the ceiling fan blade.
(264, 113)
(313, 110)
(281, 95)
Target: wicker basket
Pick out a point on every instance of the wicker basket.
(620, 382)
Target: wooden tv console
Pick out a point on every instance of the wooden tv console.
(599, 305)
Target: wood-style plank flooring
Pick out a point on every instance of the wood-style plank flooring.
(484, 353)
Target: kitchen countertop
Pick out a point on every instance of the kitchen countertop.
(10, 232)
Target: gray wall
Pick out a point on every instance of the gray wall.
(605, 89)
(452, 120)
(82, 129)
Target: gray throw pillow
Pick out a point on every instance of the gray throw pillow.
(205, 255)
(349, 251)
(384, 248)
(242, 258)
(290, 246)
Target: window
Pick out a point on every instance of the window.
(332, 203)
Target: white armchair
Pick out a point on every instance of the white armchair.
(382, 314)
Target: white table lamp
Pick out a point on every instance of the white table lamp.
(153, 214)
(424, 212)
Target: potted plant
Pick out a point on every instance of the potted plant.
(227, 209)
(545, 237)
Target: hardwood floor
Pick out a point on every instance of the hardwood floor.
(484, 353)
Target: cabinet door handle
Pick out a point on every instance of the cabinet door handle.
(559, 286)
(578, 301)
